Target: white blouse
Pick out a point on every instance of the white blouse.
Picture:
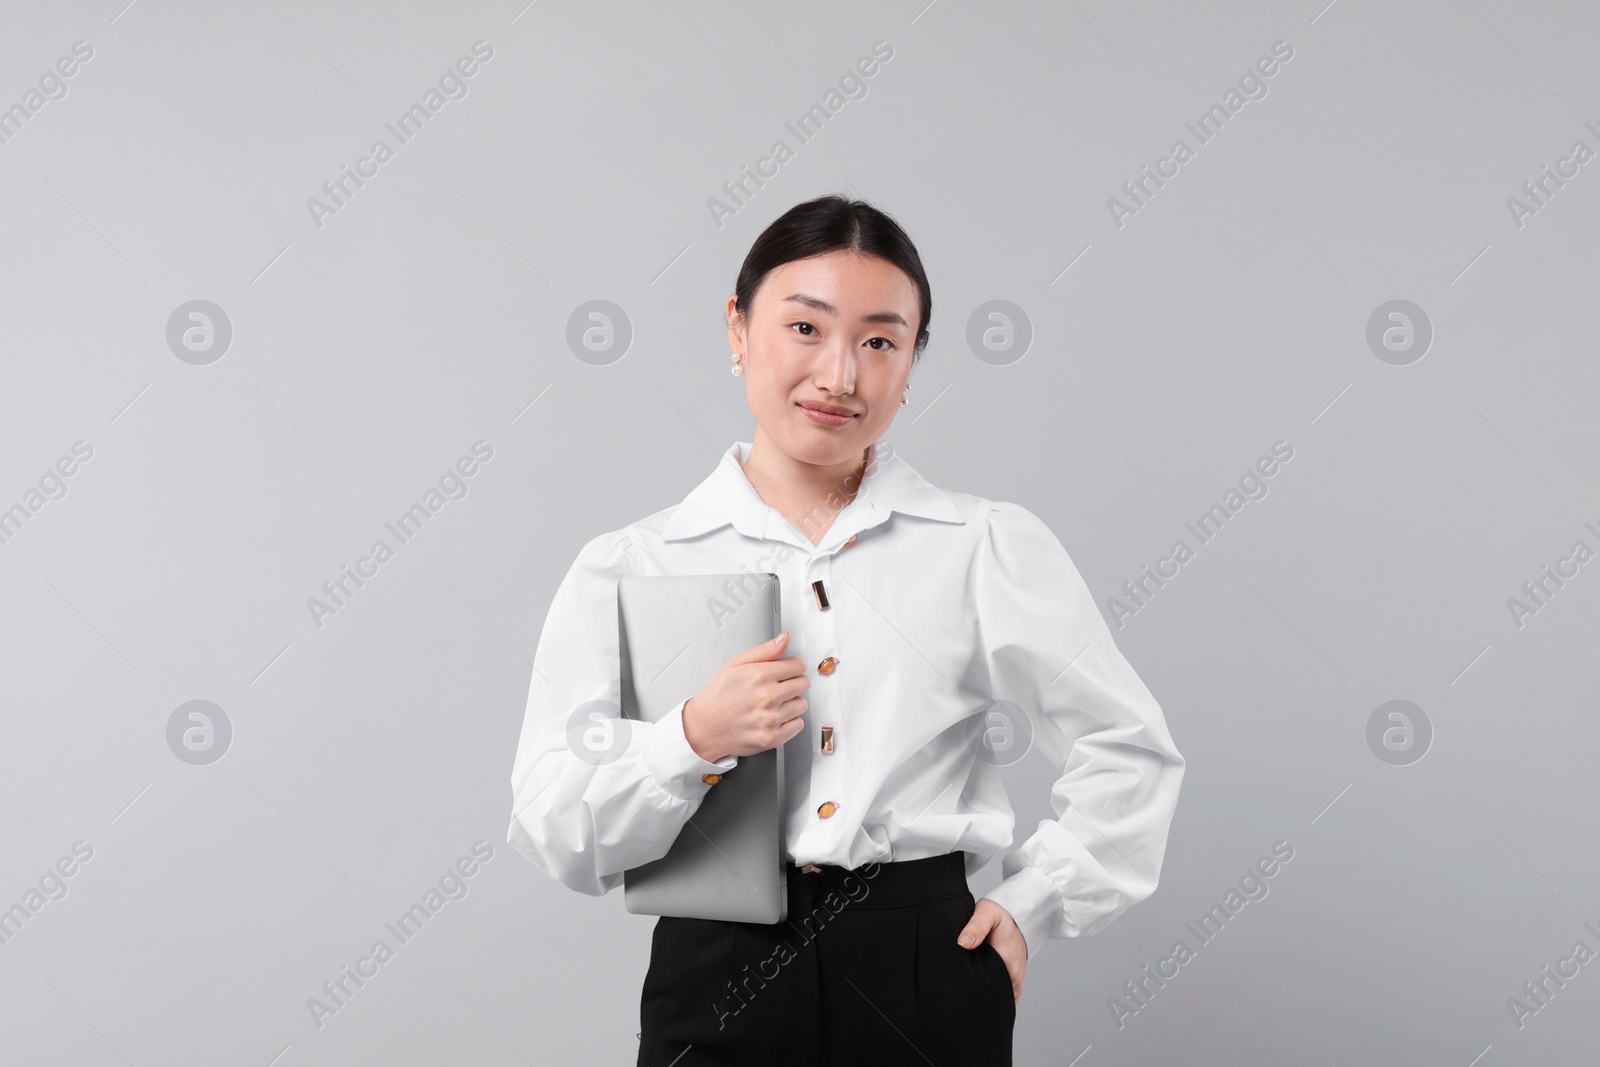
(938, 604)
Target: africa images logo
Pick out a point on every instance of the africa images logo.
(452, 85)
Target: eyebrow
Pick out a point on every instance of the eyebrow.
(822, 305)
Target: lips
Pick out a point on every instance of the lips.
(829, 415)
(827, 409)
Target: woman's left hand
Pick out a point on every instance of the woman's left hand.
(994, 923)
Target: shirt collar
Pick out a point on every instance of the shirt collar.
(726, 496)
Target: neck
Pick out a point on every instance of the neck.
(794, 487)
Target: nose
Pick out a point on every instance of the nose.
(836, 371)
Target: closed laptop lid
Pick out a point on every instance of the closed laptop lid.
(676, 632)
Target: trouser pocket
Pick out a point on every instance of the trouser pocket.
(992, 966)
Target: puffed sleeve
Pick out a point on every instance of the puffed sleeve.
(1094, 719)
(581, 818)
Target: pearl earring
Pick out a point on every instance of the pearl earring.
(738, 365)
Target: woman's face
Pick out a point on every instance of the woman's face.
(834, 330)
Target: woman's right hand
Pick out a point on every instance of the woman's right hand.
(751, 704)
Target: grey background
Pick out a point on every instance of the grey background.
(431, 312)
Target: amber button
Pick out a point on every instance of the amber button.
(711, 779)
(827, 665)
(827, 809)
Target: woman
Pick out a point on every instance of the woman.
(930, 637)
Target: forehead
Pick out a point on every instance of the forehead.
(851, 283)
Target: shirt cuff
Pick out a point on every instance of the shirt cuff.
(1031, 897)
(675, 766)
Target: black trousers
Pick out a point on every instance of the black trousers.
(865, 970)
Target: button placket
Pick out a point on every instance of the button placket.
(823, 698)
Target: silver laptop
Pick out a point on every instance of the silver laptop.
(676, 631)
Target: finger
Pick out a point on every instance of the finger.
(790, 710)
(791, 687)
(976, 930)
(798, 723)
(788, 667)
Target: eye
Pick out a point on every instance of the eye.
(807, 325)
(885, 340)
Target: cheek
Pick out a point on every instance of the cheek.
(883, 386)
(770, 391)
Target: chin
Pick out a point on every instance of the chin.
(823, 445)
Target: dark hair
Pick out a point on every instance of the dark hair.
(828, 224)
